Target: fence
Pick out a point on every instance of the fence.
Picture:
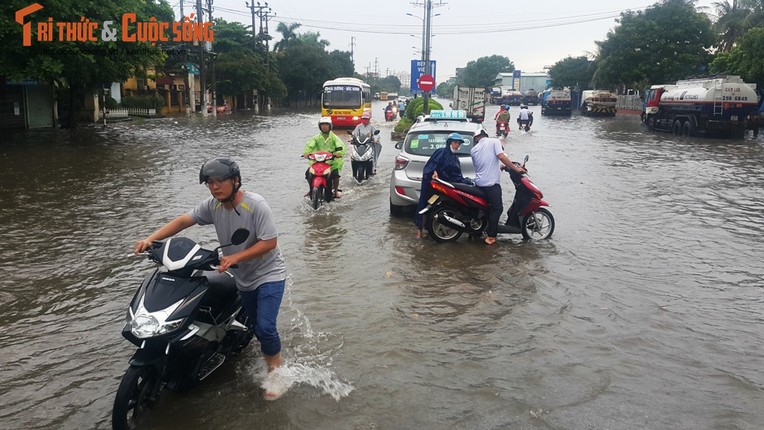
(629, 102)
(127, 112)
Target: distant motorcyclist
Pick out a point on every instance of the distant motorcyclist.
(365, 130)
(502, 116)
(525, 117)
(327, 141)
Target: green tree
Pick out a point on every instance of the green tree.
(446, 89)
(745, 58)
(78, 66)
(482, 72)
(731, 23)
(575, 73)
(665, 42)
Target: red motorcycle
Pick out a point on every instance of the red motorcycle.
(502, 129)
(458, 208)
(391, 113)
(319, 174)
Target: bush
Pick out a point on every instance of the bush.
(404, 124)
(416, 107)
(143, 102)
(111, 103)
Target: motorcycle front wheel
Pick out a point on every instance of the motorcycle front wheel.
(134, 397)
(538, 225)
(442, 231)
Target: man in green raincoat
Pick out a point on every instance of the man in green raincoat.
(327, 141)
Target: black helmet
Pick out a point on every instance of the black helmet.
(221, 167)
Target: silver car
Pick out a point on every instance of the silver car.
(424, 137)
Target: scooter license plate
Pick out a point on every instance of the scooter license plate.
(340, 118)
(432, 200)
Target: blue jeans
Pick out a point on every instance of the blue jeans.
(262, 306)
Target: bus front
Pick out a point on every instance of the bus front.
(344, 104)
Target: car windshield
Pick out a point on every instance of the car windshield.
(426, 142)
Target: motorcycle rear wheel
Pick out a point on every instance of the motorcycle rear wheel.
(316, 196)
(538, 225)
(442, 232)
(134, 397)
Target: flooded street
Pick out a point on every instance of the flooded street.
(643, 311)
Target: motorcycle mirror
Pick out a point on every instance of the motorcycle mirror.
(239, 236)
(349, 132)
(376, 132)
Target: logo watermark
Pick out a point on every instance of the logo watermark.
(129, 29)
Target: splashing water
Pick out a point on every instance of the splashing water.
(308, 356)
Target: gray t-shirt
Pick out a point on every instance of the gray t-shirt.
(255, 216)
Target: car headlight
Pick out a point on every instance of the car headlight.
(144, 324)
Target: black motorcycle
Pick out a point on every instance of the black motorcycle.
(186, 319)
(525, 124)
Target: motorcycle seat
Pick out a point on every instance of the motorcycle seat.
(472, 189)
(222, 291)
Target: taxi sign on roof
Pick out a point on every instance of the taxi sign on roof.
(448, 114)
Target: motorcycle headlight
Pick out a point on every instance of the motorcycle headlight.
(145, 324)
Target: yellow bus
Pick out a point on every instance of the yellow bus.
(345, 100)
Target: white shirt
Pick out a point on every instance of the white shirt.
(485, 157)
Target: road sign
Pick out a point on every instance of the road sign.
(426, 82)
(417, 70)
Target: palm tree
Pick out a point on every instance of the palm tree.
(288, 35)
(731, 23)
(756, 16)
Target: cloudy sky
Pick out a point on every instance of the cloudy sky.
(531, 33)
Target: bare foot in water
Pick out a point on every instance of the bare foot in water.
(419, 234)
(276, 384)
(490, 241)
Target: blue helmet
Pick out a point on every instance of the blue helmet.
(454, 136)
(506, 107)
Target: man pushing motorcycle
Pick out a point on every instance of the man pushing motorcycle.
(257, 264)
(487, 156)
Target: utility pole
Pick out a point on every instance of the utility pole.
(254, 29)
(202, 71)
(352, 44)
(212, 50)
(267, 16)
(427, 16)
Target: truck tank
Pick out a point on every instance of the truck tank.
(598, 103)
(718, 105)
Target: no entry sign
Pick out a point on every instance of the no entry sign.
(426, 82)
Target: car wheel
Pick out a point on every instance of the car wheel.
(397, 210)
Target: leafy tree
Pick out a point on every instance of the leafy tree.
(665, 42)
(731, 23)
(745, 58)
(446, 89)
(575, 73)
(238, 68)
(390, 84)
(343, 63)
(288, 35)
(482, 72)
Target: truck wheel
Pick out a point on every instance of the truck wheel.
(676, 128)
(651, 123)
(687, 129)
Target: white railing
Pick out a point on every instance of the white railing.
(126, 112)
(629, 102)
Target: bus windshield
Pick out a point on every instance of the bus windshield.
(342, 96)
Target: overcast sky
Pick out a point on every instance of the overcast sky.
(531, 33)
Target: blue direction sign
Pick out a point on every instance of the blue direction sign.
(417, 70)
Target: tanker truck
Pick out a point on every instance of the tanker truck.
(598, 103)
(710, 106)
(555, 102)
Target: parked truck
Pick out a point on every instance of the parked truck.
(531, 97)
(598, 103)
(718, 105)
(556, 102)
(472, 100)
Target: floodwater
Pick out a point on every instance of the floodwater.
(643, 311)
